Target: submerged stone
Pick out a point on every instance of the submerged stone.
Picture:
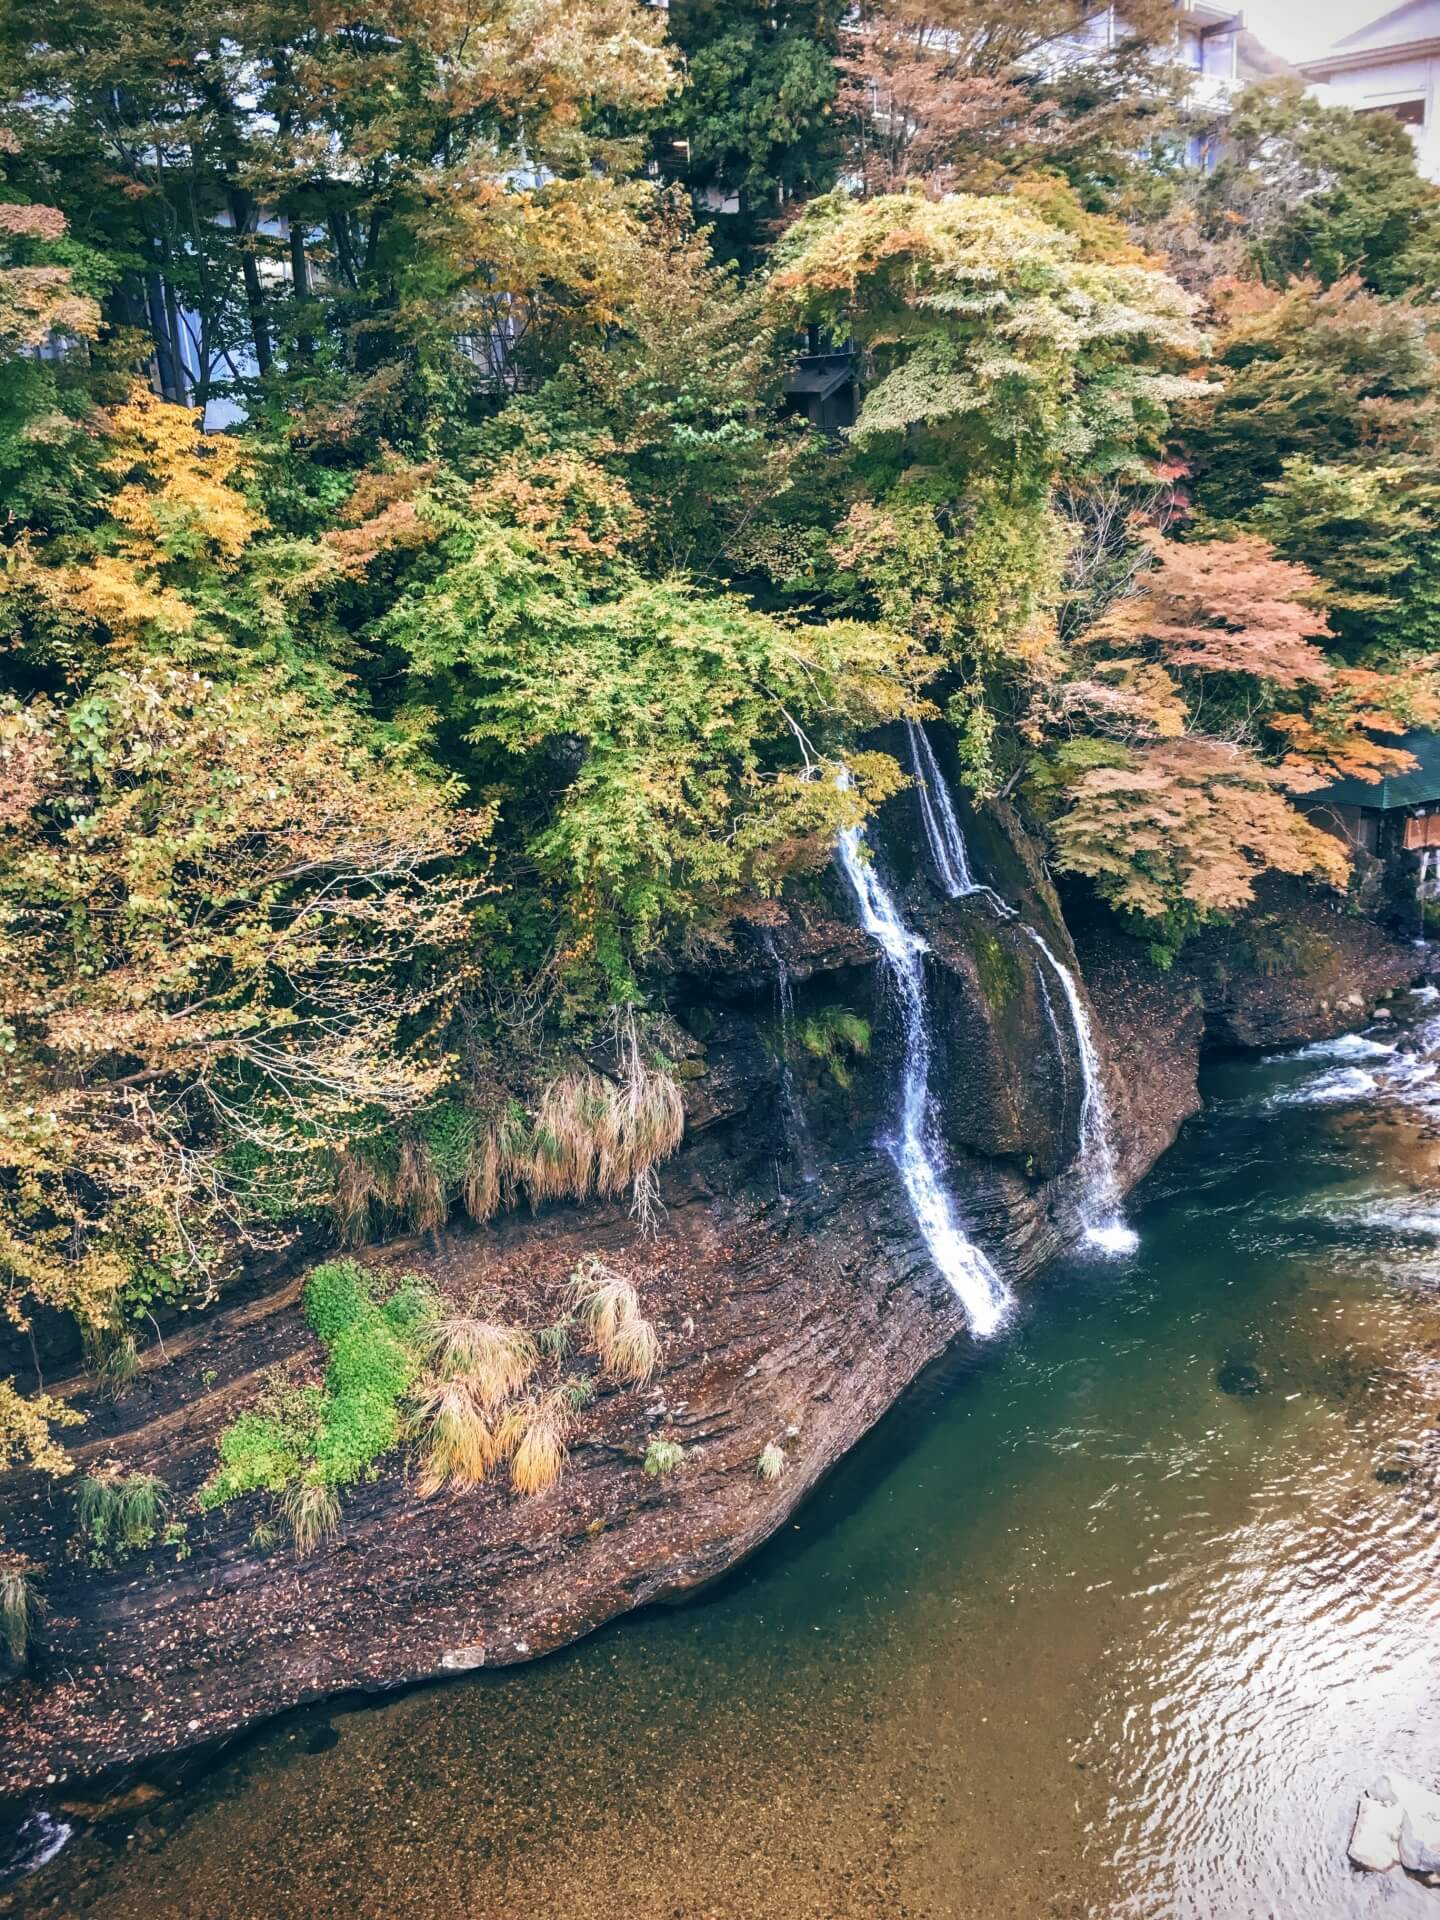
(1239, 1377)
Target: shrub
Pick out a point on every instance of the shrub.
(120, 1513)
(608, 1305)
(771, 1463)
(21, 1611)
(662, 1457)
(336, 1295)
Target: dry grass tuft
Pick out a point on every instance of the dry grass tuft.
(21, 1610)
(494, 1361)
(535, 1436)
(312, 1512)
(771, 1463)
(609, 1306)
(590, 1135)
(357, 1190)
(458, 1445)
(418, 1190)
(480, 1187)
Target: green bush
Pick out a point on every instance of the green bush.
(326, 1437)
(265, 1449)
(336, 1295)
(835, 1036)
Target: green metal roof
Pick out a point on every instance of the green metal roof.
(1414, 789)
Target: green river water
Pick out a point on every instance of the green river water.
(1075, 1632)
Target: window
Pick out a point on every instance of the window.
(1410, 113)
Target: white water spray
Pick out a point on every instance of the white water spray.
(979, 1288)
(1105, 1227)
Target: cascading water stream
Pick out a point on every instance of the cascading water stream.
(942, 826)
(1105, 1226)
(1104, 1223)
(981, 1292)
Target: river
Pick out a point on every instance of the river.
(1114, 1616)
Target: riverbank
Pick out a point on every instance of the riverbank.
(1079, 1629)
(793, 1313)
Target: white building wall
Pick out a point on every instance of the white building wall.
(1390, 88)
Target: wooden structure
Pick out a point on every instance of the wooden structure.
(1400, 814)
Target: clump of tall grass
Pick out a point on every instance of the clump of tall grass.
(591, 1133)
(120, 1513)
(457, 1444)
(493, 1360)
(771, 1463)
(609, 1307)
(535, 1435)
(663, 1457)
(311, 1509)
(21, 1611)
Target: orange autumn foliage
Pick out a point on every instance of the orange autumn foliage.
(1224, 606)
(1189, 823)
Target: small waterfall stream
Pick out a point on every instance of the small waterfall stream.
(1105, 1226)
(1104, 1223)
(979, 1288)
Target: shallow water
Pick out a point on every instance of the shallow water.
(1076, 1632)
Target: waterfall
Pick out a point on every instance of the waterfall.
(981, 1292)
(1100, 1213)
(1105, 1226)
(942, 828)
(792, 1113)
(937, 814)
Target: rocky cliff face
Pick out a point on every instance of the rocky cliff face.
(793, 1294)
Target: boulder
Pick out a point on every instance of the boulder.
(1375, 1838)
(1419, 1808)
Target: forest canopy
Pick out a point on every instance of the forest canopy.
(429, 627)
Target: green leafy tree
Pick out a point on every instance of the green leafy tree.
(755, 122)
(1325, 191)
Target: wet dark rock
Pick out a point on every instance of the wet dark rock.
(1240, 1378)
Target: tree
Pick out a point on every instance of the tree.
(998, 355)
(648, 742)
(1323, 435)
(1325, 191)
(1195, 699)
(231, 924)
(287, 193)
(963, 93)
(1179, 831)
(756, 118)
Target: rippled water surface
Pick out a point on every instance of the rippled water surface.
(1077, 1632)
